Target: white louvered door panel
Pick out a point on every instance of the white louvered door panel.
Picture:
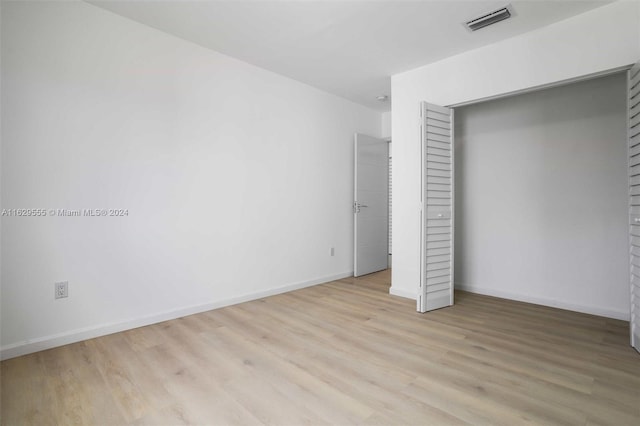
(634, 201)
(436, 236)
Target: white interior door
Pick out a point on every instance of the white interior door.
(436, 234)
(370, 205)
(634, 201)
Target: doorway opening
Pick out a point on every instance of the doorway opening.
(543, 195)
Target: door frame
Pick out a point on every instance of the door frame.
(357, 206)
(626, 69)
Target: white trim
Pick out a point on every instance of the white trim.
(421, 301)
(73, 336)
(402, 293)
(592, 310)
(543, 86)
(453, 206)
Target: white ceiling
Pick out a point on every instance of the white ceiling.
(349, 48)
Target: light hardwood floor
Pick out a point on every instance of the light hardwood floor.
(340, 353)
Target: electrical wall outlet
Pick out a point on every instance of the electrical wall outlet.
(61, 289)
(333, 251)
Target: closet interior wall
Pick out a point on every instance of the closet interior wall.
(541, 197)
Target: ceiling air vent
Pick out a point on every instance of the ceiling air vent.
(490, 18)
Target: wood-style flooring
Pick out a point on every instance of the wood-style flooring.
(340, 353)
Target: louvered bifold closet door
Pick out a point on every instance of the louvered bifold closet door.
(634, 201)
(436, 245)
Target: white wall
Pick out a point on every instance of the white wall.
(237, 181)
(385, 129)
(541, 197)
(593, 42)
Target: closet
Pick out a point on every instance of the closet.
(541, 197)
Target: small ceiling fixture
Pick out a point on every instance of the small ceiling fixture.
(490, 18)
(382, 98)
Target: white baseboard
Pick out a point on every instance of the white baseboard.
(402, 293)
(73, 336)
(593, 310)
